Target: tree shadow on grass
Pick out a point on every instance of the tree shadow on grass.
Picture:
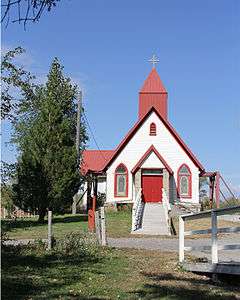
(9, 225)
(44, 276)
(172, 286)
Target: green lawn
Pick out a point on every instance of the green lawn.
(29, 228)
(118, 224)
(33, 273)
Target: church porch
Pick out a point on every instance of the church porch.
(150, 214)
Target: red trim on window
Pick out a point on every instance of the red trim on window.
(115, 181)
(153, 129)
(189, 176)
(146, 155)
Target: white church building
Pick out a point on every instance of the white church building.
(151, 168)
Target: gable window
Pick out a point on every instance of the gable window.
(153, 129)
(184, 182)
(121, 181)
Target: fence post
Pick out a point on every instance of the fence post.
(4, 213)
(49, 230)
(214, 238)
(181, 239)
(103, 227)
(98, 234)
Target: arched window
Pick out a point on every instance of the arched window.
(153, 129)
(121, 181)
(184, 182)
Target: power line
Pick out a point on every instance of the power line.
(95, 141)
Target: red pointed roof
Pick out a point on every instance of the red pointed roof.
(153, 84)
(95, 160)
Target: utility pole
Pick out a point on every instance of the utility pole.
(79, 110)
(78, 126)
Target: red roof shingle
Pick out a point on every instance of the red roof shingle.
(95, 160)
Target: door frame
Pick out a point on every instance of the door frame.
(152, 174)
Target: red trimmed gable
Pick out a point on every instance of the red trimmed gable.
(95, 160)
(153, 93)
(169, 127)
(152, 149)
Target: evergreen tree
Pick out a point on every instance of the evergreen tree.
(47, 171)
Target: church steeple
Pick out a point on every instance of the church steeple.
(153, 93)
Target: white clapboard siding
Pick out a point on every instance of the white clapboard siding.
(166, 145)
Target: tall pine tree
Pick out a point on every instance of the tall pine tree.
(47, 171)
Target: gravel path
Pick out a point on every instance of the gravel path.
(166, 245)
(231, 218)
(22, 242)
(172, 245)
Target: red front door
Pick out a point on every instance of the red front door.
(152, 188)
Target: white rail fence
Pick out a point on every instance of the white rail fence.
(214, 230)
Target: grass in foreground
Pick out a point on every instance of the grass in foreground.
(33, 273)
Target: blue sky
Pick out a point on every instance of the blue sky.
(105, 47)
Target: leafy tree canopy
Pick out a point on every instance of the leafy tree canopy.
(17, 84)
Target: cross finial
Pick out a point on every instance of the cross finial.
(154, 60)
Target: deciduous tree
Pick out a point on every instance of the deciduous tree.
(17, 83)
(22, 11)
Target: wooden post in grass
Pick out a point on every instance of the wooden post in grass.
(103, 227)
(97, 227)
(49, 230)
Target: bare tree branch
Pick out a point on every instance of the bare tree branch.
(24, 11)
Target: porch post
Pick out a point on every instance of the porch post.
(166, 182)
(217, 189)
(137, 181)
(92, 209)
(211, 190)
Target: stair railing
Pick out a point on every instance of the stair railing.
(166, 207)
(137, 211)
